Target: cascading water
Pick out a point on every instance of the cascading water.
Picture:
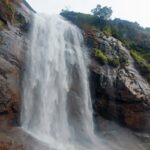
(56, 105)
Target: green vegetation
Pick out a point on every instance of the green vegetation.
(142, 63)
(114, 62)
(138, 58)
(147, 30)
(87, 20)
(1, 25)
(101, 57)
(103, 13)
(131, 34)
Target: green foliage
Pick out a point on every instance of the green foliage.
(114, 62)
(147, 68)
(131, 34)
(142, 63)
(87, 20)
(147, 30)
(1, 25)
(102, 12)
(101, 57)
(146, 56)
(138, 58)
(81, 19)
(107, 30)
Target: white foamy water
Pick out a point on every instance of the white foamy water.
(56, 106)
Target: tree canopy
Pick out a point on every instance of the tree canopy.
(102, 12)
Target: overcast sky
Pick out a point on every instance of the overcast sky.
(133, 10)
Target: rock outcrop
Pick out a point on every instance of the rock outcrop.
(15, 18)
(120, 86)
(13, 38)
(118, 90)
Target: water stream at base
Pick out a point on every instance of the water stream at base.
(56, 106)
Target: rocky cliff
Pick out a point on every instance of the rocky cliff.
(119, 71)
(15, 18)
(118, 90)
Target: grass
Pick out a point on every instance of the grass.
(101, 57)
(143, 64)
(138, 57)
(2, 25)
(114, 62)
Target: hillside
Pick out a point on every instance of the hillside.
(119, 69)
(131, 34)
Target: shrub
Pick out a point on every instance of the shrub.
(147, 68)
(114, 62)
(137, 57)
(101, 57)
(143, 64)
(1, 25)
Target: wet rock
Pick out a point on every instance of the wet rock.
(119, 92)
(13, 41)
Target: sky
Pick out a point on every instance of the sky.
(132, 10)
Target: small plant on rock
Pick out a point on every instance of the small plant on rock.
(114, 62)
(101, 57)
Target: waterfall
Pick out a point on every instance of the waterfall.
(56, 107)
(56, 97)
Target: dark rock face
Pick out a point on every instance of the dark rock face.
(13, 41)
(119, 93)
(12, 52)
(10, 69)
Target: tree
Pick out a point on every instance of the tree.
(147, 30)
(102, 12)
